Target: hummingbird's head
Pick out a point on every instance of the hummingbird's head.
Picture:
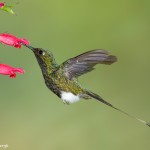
(44, 58)
(41, 54)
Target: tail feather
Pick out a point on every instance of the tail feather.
(97, 97)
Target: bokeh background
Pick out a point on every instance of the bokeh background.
(33, 118)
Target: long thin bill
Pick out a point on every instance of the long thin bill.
(28, 46)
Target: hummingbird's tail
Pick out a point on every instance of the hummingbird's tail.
(97, 97)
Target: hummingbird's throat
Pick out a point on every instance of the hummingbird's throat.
(47, 65)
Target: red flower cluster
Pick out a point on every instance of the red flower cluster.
(9, 70)
(12, 40)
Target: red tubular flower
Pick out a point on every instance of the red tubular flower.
(12, 40)
(1, 5)
(9, 70)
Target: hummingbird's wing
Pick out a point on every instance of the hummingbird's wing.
(83, 63)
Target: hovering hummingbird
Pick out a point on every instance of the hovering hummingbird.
(62, 79)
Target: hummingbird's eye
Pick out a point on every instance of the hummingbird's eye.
(41, 52)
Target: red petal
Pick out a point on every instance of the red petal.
(24, 41)
(12, 40)
(17, 45)
(1, 5)
(18, 70)
(13, 75)
(9, 70)
(8, 39)
(5, 69)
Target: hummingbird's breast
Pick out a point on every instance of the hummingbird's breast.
(58, 84)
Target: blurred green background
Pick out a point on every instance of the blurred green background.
(33, 118)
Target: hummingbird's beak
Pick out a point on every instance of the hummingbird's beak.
(28, 46)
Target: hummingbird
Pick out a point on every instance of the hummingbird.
(62, 79)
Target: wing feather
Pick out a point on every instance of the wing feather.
(83, 63)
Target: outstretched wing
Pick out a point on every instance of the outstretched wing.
(85, 62)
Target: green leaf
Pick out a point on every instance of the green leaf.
(8, 9)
